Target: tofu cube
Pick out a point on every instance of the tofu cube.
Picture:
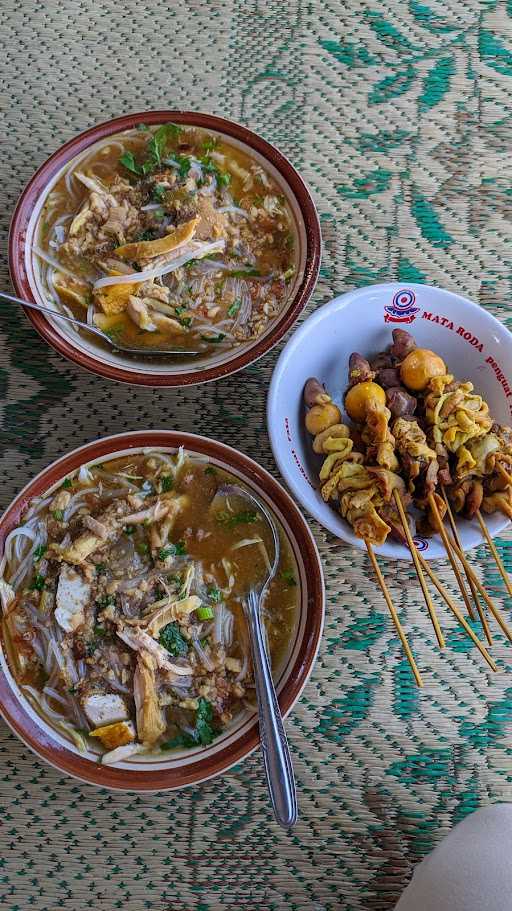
(102, 709)
(73, 594)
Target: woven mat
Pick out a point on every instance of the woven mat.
(398, 115)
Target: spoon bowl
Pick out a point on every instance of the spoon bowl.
(276, 753)
(116, 346)
(236, 499)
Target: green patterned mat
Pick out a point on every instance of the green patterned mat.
(398, 115)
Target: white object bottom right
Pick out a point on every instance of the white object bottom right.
(470, 870)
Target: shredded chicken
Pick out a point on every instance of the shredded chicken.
(140, 641)
(150, 719)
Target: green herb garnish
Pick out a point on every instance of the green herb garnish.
(148, 234)
(158, 142)
(166, 483)
(183, 320)
(172, 550)
(209, 167)
(210, 470)
(142, 548)
(184, 164)
(214, 594)
(100, 568)
(67, 483)
(204, 730)
(127, 159)
(106, 601)
(243, 273)
(155, 150)
(40, 551)
(288, 577)
(129, 529)
(115, 333)
(38, 583)
(205, 613)
(58, 514)
(159, 192)
(213, 338)
(210, 144)
(170, 638)
(232, 519)
(235, 307)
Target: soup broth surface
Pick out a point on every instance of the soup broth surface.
(168, 237)
(123, 603)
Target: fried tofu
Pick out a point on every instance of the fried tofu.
(115, 735)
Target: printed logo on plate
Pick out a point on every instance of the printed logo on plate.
(402, 310)
(420, 543)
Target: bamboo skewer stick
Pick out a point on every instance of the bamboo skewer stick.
(419, 572)
(451, 545)
(474, 592)
(490, 604)
(454, 565)
(457, 613)
(494, 551)
(455, 533)
(394, 616)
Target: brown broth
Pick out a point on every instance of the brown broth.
(242, 305)
(205, 534)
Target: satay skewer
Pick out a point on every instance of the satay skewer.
(453, 562)
(492, 547)
(455, 533)
(456, 612)
(392, 610)
(419, 572)
(452, 547)
(474, 592)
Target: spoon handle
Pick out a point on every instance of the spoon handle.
(56, 313)
(274, 745)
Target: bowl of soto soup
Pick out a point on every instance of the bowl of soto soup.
(125, 658)
(166, 230)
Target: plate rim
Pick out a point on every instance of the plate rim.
(338, 303)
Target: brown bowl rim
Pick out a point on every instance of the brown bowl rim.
(38, 183)
(13, 709)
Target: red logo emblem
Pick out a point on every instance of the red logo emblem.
(402, 310)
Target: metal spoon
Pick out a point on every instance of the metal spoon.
(274, 745)
(147, 352)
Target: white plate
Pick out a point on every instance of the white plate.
(474, 345)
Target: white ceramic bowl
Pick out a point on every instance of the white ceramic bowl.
(474, 345)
